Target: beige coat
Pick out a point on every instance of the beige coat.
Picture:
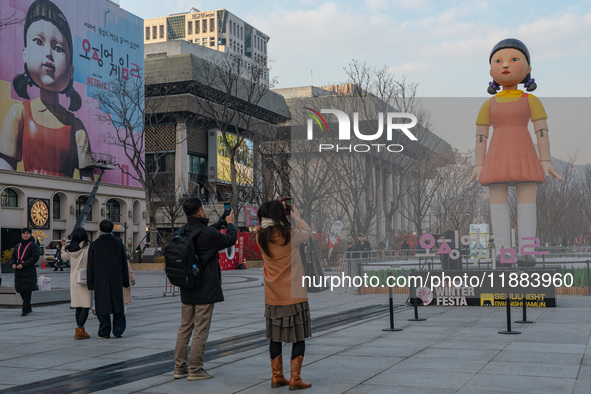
(79, 294)
(283, 270)
(127, 290)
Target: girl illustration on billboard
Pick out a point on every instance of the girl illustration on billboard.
(511, 159)
(41, 133)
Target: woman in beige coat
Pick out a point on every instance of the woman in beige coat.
(81, 297)
(127, 290)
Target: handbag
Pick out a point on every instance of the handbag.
(81, 272)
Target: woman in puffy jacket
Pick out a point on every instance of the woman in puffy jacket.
(24, 257)
(81, 297)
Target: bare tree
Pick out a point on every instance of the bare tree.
(9, 20)
(230, 93)
(455, 203)
(137, 122)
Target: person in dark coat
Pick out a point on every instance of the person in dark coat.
(197, 303)
(24, 257)
(107, 275)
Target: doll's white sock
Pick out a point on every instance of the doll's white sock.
(526, 222)
(501, 226)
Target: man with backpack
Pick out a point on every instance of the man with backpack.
(198, 299)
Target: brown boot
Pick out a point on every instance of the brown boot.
(278, 379)
(296, 382)
(81, 333)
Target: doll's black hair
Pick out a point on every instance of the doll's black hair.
(48, 11)
(513, 43)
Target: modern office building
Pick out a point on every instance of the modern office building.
(220, 30)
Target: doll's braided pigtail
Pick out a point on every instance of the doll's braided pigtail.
(530, 85)
(75, 99)
(20, 83)
(493, 88)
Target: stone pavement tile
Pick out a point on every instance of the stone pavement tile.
(17, 376)
(548, 370)
(401, 350)
(447, 343)
(159, 382)
(457, 354)
(87, 363)
(394, 388)
(125, 353)
(334, 374)
(517, 384)
(583, 383)
(353, 362)
(546, 347)
(313, 348)
(219, 384)
(431, 379)
(37, 361)
(428, 364)
(586, 360)
(324, 386)
(536, 357)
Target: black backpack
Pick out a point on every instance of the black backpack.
(179, 258)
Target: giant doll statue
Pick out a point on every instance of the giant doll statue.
(511, 158)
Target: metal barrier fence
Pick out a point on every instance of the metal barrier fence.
(405, 261)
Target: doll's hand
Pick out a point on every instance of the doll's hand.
(549, 170)
(475, 174)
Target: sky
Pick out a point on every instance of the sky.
(443, 46)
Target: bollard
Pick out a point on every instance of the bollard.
(391, 303)
(415, 306)
(524, 321)
(509, 319)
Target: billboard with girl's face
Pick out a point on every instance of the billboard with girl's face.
(55, 61)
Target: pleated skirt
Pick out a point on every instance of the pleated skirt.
(288, 323)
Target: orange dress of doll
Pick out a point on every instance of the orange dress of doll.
(45, 150)
(511, 157)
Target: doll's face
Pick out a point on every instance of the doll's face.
(508, 67)
(47, 56)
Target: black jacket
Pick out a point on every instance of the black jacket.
(25, 279)
(107, 274)
(207, 245)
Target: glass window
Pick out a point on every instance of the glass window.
(211, 25)
(197, 41)
(190, 40)
(211, 41)
(154, 31)
(113, 211)
(151, 162)
(204, 25)
(190, 28)
(161, 31)
(80, 202)
(241, 33)
(9, 198)
(56, 207)
(147, 32)
(197, 165)
(197, 23)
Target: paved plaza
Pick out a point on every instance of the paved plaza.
(457, 349)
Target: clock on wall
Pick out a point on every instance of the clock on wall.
(39, 213)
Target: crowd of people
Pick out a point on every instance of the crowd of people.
(100, 271)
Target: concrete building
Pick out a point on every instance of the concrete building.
(220, 30)
(51, 205)
(183, 86)
(366, 188)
